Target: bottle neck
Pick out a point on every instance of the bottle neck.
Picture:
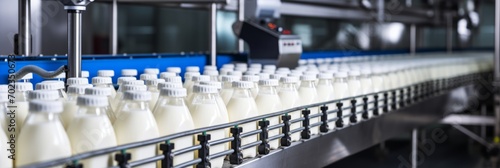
(268, 90)
(227, 85)
(42, 117)
(242, 93)
(133, 105)
(173, 101)
(91, 110)
(288, 87)
(340, 80)
(324, 82)
(203, 98)
(353, 78)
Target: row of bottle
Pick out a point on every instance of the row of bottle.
(207, 102)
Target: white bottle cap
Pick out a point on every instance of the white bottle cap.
(175, 79)
(133, 82)
(225, 71)
(98, 91)
(77, 81)
(173, 92)
(366, 71)
(101, 80)
(174, 69)
(148, 76)
(218, 85)
(325, 76)
(57, 84)
(320, 60)
(4, 88)
(264, 76)
(311, 61)
(22, 86)
(204, 89)
(270, 67)
(123, 79)
(250, 78)
(78, 89)
(308, 77)
(47, 86)
(45, 106)
(211, 72)
(241, 65)
(298, 75)
(27, 76)
(200, 78)
(268, 82)
(160, 80)
(341, 75)
(242, 84)
(276, 76)
(154, 71)
(237, 73)
(229, 78)
(189, 75)
(289, 79)
(85, 74)
(282, 72)
(134, 88)
(137, 95)
(302, 62)
(313, 72)
(169, 85)
(129, 72)
(43, 95)
(192, 69)
(229, 66)
(167, 74)
(151, 82)
(256, 65)
(241, 69)
(354, 73)
(210, 68)
(106, 73)
(268, 71)
(251, 73)
(90, 100)
(283, 69)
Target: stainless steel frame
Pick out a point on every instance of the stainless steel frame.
(24, 36)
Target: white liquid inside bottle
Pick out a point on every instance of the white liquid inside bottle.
(205, 112)
(227, 87)
(325, 89)
(367, 88)
(21, 98)
(104, 92)
(341, 90)
(355, 90)
(105, 82)
(69, 104)
(289, 97)
(268, 101)
(242, 106)
(309, 95)
(136, 123)
(44, 126)
(91, 129)
(173, 116)
(152, 85)
(255, 81)
(4, 154)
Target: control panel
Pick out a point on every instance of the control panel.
(290, 46)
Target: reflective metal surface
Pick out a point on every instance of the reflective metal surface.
(24, 26)
(328, 148)
(464, 119)
(74, 43)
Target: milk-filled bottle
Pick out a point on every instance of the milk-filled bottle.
(167, 74)
(205, 113)
(367, 88)
(173, 79)
(393, 79)
(119, 94)
(129, 73)
(355, 90)
(21, 98)
(136, 123)
(188, 80)
(69, 105)
(309, 95)
(378, 84)
(4, 154)
(255, 82)
(104, 82)
(44, 95)
(227, 87)
(104, 92)
(264, 76)
(197, 80)
(341, 90)
(218, 98)
(268, 101)
(91, 129)
(173, 116)
(4, 112)
(152, 85)
(236, 73)
(176, 70)
(53, 85)
(77, 81)
(325, 89)
(44, 126)
(289, 97)
(214, 75)
(241, 106)
(122, 80)
(119, 102)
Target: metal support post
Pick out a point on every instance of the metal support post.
(24, 34)
(213, 34)
(74, 43)
(414, 148)
(241, 17)
(449, 33)
(413, 39)
(114, 29)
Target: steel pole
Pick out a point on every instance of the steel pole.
(413, 39)
(114, 29)
(414, 148)
(74, 43)
(24, 20)
(241, 18)
(213, 34)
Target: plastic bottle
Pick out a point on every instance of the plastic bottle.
(4, 154)
(44, 126)
(308, 95)
(227, 87)
(104, 92)
(21, 97)
(91, 119)
(152, 85)
(205, 113)
(129, 73)
(268, 101)
(169, 85)
(197, 80)
(192, 69)
(289, 97)
(367, 88)
(53, 85)
(355, 89)
(77, 81)
(172, 116)
(167, 74)
(188, 82)
(148, 76)
(341, 90)
(3, 113)
(176, 70)
(152, 71)
(255, 81)
(136, 123)
(218, 98)
(69, 105)
(173, 79)
(122, 80)
(104, 82)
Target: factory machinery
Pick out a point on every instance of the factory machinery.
(395, 112)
